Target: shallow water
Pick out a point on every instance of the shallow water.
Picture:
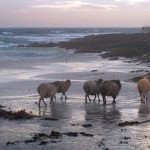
(18, 91)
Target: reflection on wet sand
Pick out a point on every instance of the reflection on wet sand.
(81, 112)
(144, 109)
(104, 113)
(58, 110)
(42, 110)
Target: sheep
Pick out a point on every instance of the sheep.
(46, 90)
(110, 88)
(92, 88)
(143, 87)
(64, 86)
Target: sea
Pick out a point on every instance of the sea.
(10, 38)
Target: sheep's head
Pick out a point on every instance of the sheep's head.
(100, 81)
(147, 77)
(57, 84)
(68, 82)
(118, 83)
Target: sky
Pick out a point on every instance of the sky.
(74, 13)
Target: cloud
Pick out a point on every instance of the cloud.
(133, 1)
(77, 4)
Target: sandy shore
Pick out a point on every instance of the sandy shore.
(73, 115)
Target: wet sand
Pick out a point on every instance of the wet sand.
(71, 116)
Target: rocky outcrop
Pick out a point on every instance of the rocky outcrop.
(135, 45)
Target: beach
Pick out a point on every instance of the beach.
(71, 124)
(20, 94)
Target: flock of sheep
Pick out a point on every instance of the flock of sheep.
(96, 87)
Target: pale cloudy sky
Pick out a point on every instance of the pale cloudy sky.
(74, 13)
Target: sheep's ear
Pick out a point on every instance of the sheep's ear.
(148, 77)
(144, 76)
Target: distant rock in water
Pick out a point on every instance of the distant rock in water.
(146, 29)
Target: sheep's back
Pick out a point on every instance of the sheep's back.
(143, 85)
(90, 87)
(110, 88)
(42, 89)
(46, 90)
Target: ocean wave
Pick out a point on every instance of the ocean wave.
(5, 45)
(34, 38)
(7, 33)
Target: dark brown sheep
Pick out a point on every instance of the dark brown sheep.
(92, 88)
(110, 88)
(64, 86)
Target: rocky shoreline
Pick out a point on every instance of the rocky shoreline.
(135, 45)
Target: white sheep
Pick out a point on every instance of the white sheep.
(92, 88)
(143, 87)
(64, 86)
(46, 90)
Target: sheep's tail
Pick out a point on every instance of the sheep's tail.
(38, 89)
(87, 89)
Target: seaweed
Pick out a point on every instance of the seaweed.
(22, 114)
(53, 137)
(125, 123)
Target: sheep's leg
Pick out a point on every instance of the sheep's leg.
(55, 97)
(62, 96)
(94, 97)
(104, 100)
(114, 102)
(146, 96)
(89, 97)
(86, 98)
(42, 100)
(65, 96)
(142, 98)
(98, 98)
(39, 101)
(51, 100)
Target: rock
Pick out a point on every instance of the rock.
(86, 125)
(86, 134)
(74, 134)
(55, 135)
(44, 143)
(94, 70)
(51, 119)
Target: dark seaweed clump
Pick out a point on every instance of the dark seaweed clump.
(22, 114)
